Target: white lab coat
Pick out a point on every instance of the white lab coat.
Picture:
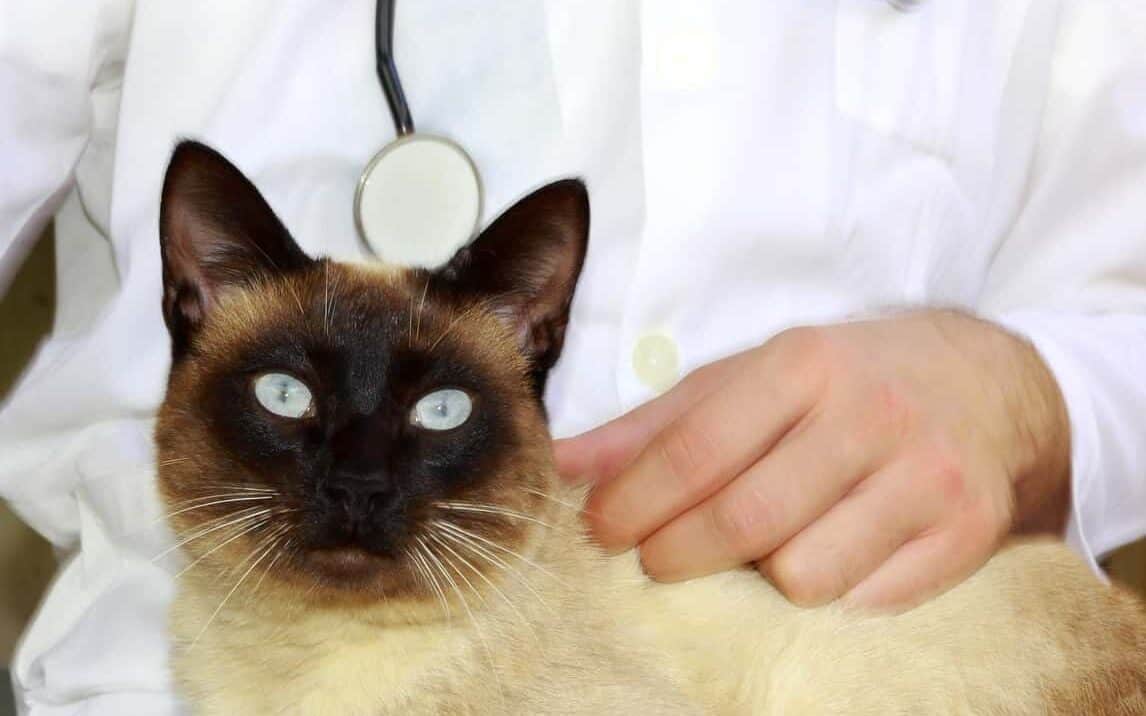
(752, 165)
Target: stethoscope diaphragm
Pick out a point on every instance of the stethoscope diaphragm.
(419, 199)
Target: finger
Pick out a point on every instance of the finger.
(603, 452)
(701, 451)
(858, 534)
(803, 476)
(921, 569)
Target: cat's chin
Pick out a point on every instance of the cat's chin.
(349, 566)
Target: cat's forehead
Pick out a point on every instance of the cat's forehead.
(367, 308)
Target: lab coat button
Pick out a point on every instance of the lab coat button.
(904, 5)
(656, 361)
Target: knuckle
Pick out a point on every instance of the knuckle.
(738, 524)
(946, 473)
(703, 374)
(811, 358)
(689, 454)
(802, 340)
(806, 346)
(794, 575)
(989, 518)
(891, 409)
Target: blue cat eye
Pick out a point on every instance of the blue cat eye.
(283, 395)
(443, 409)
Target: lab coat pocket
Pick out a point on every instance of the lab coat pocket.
(898, 72)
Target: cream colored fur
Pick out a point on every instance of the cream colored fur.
(574, 632)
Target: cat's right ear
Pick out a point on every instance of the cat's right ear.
(215, 231)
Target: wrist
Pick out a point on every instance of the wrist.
(1041, 476)
(1033, 428)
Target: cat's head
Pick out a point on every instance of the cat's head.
(333, 427)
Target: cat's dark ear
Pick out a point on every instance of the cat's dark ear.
(215, 231)
(525, 267)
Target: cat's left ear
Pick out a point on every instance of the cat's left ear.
(525, 267)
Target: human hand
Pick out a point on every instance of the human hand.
(878, 461)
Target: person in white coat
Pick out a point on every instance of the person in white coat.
(907, 239)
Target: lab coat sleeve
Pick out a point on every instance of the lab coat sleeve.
(1070, 274)
(51, 54)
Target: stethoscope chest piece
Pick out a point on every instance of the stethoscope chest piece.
(418, 201)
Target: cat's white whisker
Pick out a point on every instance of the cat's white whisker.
(438, 591)
(481, 508)
(207, 525)
(446, 561)
(217, 495)
(266, 539)
(194, 503)
(226, 598)
(446, 527)
(469, 613)
(247, 488)
(465, 541)
(201, 533)
(244, 530)
(225, 500)
(271, 565)
(440, 539)
(506, 550)
(551, 498)
(270, 541)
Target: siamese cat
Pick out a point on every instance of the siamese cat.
(357, 460)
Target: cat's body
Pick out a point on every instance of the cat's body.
(357, 463)
(1032, 632)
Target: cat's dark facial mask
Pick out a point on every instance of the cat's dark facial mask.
(341, 425)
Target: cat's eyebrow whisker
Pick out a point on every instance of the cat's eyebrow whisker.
(421, 307)
(410, 323)
(326, 302)
(462, 540)
(172, 461)
(453, 323)
(258, 513)
(491, 510)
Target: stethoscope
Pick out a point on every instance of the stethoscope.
(419, 198)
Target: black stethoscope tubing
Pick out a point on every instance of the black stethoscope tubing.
(388, 70)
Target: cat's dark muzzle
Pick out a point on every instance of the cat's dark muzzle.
(360, 513)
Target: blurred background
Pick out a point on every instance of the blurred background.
(27, 313)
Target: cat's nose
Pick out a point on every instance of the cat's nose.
(361, 499)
